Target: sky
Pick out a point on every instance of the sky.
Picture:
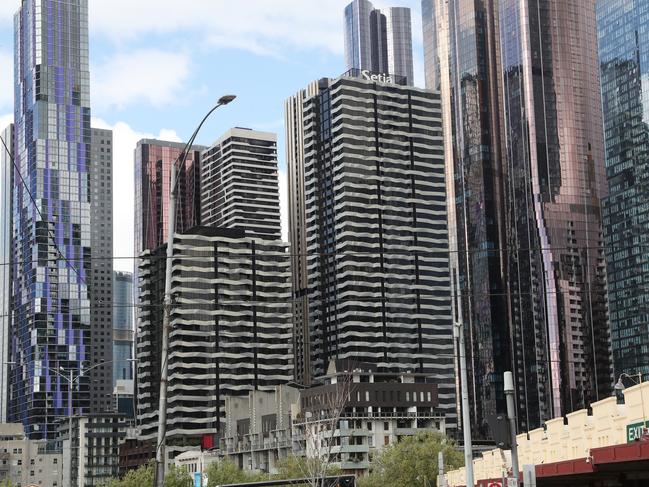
(158, 66)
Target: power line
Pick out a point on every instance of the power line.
(418, 253)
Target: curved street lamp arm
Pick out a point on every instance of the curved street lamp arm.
(189, 144)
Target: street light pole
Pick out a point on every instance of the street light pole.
(158, 480)
(511, 414)
(466, 412)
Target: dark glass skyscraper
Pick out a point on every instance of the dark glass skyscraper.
(475, 187)
(556, 180)
(52, 242)
(519, 83)
(624, 65)
(379, 40)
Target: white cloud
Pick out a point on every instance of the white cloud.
(6, 79)
(144, 75)
(125, 139)
(257, 25)
(283, 203)
(5, 120)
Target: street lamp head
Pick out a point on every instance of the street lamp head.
(620, 385)
(224, 100)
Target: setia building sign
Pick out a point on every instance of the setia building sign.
(367, 75)
(380, 77)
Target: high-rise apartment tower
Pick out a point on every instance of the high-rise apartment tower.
(51, 329)
(375, 230)
(101, 289)
(239, 183)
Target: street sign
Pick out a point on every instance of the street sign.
(495, 484)
(512, 482)
(635, 431)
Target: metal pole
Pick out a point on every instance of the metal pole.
(466, 412)
(511, 414)
(162, 405)
(70, 417)
(440, 469)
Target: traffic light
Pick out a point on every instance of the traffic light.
(500, 431)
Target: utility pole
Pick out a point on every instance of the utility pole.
(466, 412)
(511, 414)
(160, 457)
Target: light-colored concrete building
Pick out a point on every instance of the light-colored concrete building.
(258, 428)
(94, 456)
(612, 422)
(27, 462)
(361, 411)
(196, 461)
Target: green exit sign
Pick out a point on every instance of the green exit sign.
(634, 431)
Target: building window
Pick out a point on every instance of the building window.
(386, 440)
(386, 426)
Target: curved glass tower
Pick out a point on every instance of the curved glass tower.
(52, 239)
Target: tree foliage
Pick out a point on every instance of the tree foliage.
(412, 462)
(143, 476)
(294, 467)
(225, 472)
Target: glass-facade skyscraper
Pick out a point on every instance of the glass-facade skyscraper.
(519, 83)
(379, 41)
(123, 331)
(624, 68)
(51, 328)
(6, 256)
(473, 152)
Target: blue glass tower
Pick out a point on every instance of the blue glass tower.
(123, 332)
(51, 215)
(623, 27)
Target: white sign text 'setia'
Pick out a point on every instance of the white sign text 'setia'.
(383, 78)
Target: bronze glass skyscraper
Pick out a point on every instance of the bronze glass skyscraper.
(471, 101)
(528, 161)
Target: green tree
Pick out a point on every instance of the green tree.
(294, 467)
(225, 472)
(412, 462)
(6, 483)
(143, 477)
(178, 477)
(140, 477)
